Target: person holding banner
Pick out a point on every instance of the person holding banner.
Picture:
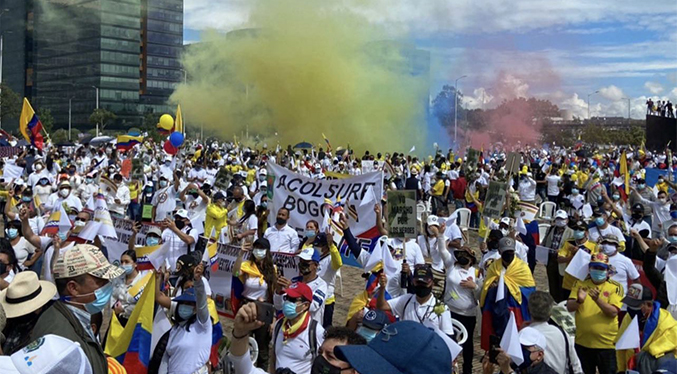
(309, 260)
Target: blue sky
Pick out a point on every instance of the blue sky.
(558, 50)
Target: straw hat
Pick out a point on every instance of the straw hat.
(26, 294)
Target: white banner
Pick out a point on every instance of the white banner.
(123, 228)
(221, 280)
(305, 197)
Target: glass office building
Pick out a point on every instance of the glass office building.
(114, 47)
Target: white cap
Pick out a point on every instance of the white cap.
(181, 213)
(529, 336)
(309, 254)
(50, 354)
(561, 214)
(505, 220)
(433, 221)
(263, 171)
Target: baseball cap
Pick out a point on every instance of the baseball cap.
(154, 230)
(638, 207)
(599, 211)
(375, 319)
(181, 213)
(320, 240)
(580, 225)
(561, 214)
(599, 259)
(299, 289)
(187, 296)
(505, 220)
(405, 347)
(423, 273)
(667, 366)
(433, 220)
(309, 254)
(506, 244)
(637, 294)
(50, 354)
(186, 261)
(529, 336)
(219, 196)
(263, 172)
(609, 239)
(84, 259)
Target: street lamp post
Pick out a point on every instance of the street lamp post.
(97, 107)
(628, 99)
(590, 94)
(456, 109)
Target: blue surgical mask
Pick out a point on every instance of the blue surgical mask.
(598, 275)
(259, 253)
(599, 221)
(574, 191)
(310, 233)
(163, 183)
(366, 333)
(672, 239)
(63, 235)
(12, 233)
(289, 310)
(103, 295)
(128, 268)
(26, 199)
(264, 204)
(641, 186)
(89, 180)
(616, 197)
(578, 234)
(151, 241)
(185, 311)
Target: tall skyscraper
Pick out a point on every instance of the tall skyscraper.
(125, 53)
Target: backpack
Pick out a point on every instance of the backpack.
(312, 336)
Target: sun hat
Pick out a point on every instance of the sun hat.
(26, 294)
(85, 259)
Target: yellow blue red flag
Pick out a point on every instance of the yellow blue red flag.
(30, 125)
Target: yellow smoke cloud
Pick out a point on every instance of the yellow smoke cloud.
(302, 69)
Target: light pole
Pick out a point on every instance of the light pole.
(70, 106)
(628, 99)
(590, 94)
(97, 107)
(456, 108)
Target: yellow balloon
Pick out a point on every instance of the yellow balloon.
(166, 122)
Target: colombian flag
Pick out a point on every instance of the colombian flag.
(518, 286)
(57, 220)
(327, 141)
(130, 345)
(209, 257)
(30, 125)
(127, 142)
(143, 261)
(217, 332)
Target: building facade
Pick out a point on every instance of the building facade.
(122, 55)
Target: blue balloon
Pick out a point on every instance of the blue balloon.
(176, 138)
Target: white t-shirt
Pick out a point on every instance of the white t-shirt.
(594, 233)
(188, 351)
(21, 250)
(285, 240)
(414, 257)
(460, 300)
(624, 269)
(295, 354)
(552, 180)
(429, 248)
(422, 313)
(164, 201)
(527, 189)
(178, 247)
(254, 288)
(319, 288)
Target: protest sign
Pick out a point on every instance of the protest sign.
(305, 198)
(401, 214)
(137, 169)
(222, 180)
(220, 280)
(495, 200)
(11, 171)
(369, 166)
(512, 163)
(471, 160)
(123, 228)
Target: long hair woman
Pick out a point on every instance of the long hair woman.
(256, 278)
(123, 301)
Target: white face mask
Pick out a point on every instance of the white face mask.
(560, 222)
(64, 192)
(607, 249)
(38, 167)
(505, 232)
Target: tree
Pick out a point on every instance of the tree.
(59, 136)
(10, 103)
(102, 117)
(444, 106)
(150, 121)
(46, 119)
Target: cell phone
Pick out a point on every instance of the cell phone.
(494, 345)
(265, 312)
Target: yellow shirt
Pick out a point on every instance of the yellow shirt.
(215, 220)
(134, 189)
(594, 329)
(662, 187)
(565, 251)
(438, 188)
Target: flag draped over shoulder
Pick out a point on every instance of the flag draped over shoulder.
(30, 125)
(127, 142)
(519, 285)
(130, 345)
